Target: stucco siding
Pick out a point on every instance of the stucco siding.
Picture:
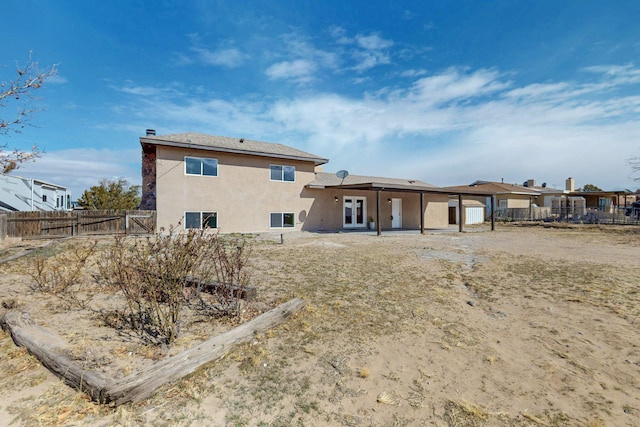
(436, 211)
(242, 194)
(326, 213)
(515, 202)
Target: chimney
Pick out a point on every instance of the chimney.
(531, 183)
(151, 132)
(570, 185)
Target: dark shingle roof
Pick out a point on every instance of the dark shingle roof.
(232, 145)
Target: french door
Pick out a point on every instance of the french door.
(354, 212)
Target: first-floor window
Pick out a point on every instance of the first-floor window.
(200, 220)
(281, 219)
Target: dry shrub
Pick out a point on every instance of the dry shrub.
(155, 276)
(61, 274)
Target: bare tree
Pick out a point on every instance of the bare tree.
(634, 162)
(20, 90)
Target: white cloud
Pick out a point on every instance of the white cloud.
(447, 128)
(300, 70)
(226, 57)
(57, 79)
(79, 169)
(413, 73)
(372, 50)
(373, 42)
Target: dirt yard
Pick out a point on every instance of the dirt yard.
(524, 326)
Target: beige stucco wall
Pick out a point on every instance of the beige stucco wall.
(514, 201)
(242, 194)
(436, 211)
(326, 214)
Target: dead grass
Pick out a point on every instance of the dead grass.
(388, 338)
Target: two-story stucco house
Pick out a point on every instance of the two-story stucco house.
(238, 185)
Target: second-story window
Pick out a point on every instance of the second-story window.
(201, 166)
(283, 173)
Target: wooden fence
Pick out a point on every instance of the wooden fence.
(78, 223)
(3, 227)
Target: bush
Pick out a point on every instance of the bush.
(156, 275)
(61, 274)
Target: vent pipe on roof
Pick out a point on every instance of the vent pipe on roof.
(151, 132)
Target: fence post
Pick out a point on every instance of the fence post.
(3, 227)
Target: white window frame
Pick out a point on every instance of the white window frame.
(282, 214)
(282, 174)
(201, 213)
(201, 166)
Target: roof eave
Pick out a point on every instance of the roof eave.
(316, 160)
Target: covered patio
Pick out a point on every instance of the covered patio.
(414, 187)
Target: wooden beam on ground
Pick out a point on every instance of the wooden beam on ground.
(52, 352)
(142, 385)
(246, 293)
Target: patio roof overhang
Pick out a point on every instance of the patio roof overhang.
(379, 187)
(407, 188)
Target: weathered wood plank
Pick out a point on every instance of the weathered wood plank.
(142, 385)
(247, 293)
(52, 352)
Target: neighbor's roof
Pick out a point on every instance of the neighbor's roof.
(483, 187)
(227, 144)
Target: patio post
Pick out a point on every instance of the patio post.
(493, 212)
(378, 225)
(460, 213)
(421, 213)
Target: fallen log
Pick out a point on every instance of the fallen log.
(52, 351)
(247, 293)
(141, 385)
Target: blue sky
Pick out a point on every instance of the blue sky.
(443, 91)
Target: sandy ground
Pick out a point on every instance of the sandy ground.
(524, 326)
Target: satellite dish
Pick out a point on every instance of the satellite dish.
(342, 174)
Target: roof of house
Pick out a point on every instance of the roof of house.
(376, 183)
(232, 145)
(7, 177)
(325, 179)
(483, 187)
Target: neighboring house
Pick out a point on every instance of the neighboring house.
(239, 185)
(559, 203)
(27, 194)
(578, 202)
(507, 196)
